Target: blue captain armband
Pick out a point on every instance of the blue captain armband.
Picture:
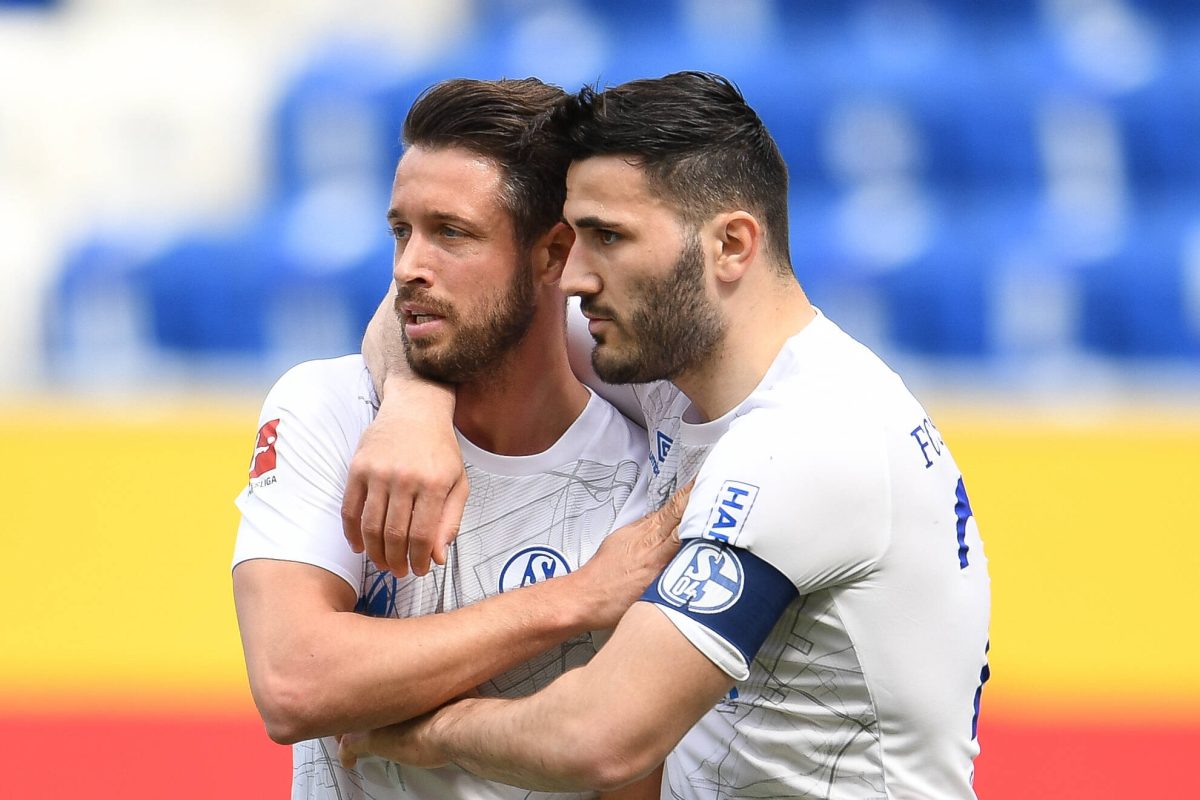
(728, 590)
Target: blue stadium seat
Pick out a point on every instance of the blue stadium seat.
(209, 295)
(340, 117)
(965, 87)
(96, 312)
(1140, 303)
(254, 297)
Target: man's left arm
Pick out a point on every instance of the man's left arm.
(601, 726)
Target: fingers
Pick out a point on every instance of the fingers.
(451, 519)
(352, 511)
(394, 537)
(350, 747)
(675, 506)
(663, 524)
(423, 531)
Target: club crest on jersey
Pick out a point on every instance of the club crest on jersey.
(531, 565)
(705, 578)
(263, 460)
(729, 513)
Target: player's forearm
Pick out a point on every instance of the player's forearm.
(565, 738)
(347, 672)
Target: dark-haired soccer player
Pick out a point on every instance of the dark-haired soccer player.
(475, 210)
(822, 632)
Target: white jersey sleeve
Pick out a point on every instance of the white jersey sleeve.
(807, 495)
(783, 506)
(309, 428)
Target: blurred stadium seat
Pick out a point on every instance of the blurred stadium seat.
(931, 148)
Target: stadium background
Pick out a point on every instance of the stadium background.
(1002, 197)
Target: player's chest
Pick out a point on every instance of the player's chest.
(514, 533)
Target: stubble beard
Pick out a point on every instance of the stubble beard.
(673, 328)
(474, 347)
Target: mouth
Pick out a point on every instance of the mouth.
(419, 320)
(600, 320)
(596, 313)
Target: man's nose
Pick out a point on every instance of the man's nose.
(578, 277)
(411, 263)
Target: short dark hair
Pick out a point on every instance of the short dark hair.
(496, 120)
(702, 147)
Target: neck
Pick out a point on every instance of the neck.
(779, 309)
(527, 401)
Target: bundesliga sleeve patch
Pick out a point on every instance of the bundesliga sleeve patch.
(264, 450)
(728, 590)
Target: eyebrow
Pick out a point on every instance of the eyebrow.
(439, 216)
(595, 222)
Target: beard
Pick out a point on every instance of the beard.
(672, 328)
(476, 346)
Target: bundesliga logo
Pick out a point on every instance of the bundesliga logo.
(264, 455)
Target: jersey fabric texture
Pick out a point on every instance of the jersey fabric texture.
(831, 475)
(527, 519)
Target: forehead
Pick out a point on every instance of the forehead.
(448, 180)
(610, 186)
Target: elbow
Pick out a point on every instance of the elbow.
(613, 772)
(609, 758)
(288, 709)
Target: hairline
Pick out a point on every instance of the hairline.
(690, 216)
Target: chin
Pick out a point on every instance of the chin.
(616, 371)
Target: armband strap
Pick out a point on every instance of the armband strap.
(726, 589)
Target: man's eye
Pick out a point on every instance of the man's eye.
(400, 232)
(451, 233)
(607, 237)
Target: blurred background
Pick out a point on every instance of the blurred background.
(1001, 197)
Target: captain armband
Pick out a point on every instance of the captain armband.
(727, 590)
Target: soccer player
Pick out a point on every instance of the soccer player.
(475, 211)
(822, 632)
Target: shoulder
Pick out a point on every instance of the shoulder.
(325, 380)
(809, 492)
(339, 386)
(324, 404)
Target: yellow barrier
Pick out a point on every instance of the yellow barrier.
(118, 531)
(1092, 528)
(117, 550)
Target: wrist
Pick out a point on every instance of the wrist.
(577, 602)
(417, 390)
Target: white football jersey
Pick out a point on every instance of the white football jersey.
(527, 519)
(833, 568)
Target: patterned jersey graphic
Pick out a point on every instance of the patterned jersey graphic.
(516, 531)
(842, 677)
(805, 664)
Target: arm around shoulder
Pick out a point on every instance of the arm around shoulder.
(404, 511)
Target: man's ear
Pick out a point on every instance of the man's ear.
(551, 251)
(736, 239)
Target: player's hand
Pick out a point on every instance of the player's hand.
(405, 492)
(405, 743)
(628, 560)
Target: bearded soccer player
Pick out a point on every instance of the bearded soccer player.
(335, 642)
(823, 630)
